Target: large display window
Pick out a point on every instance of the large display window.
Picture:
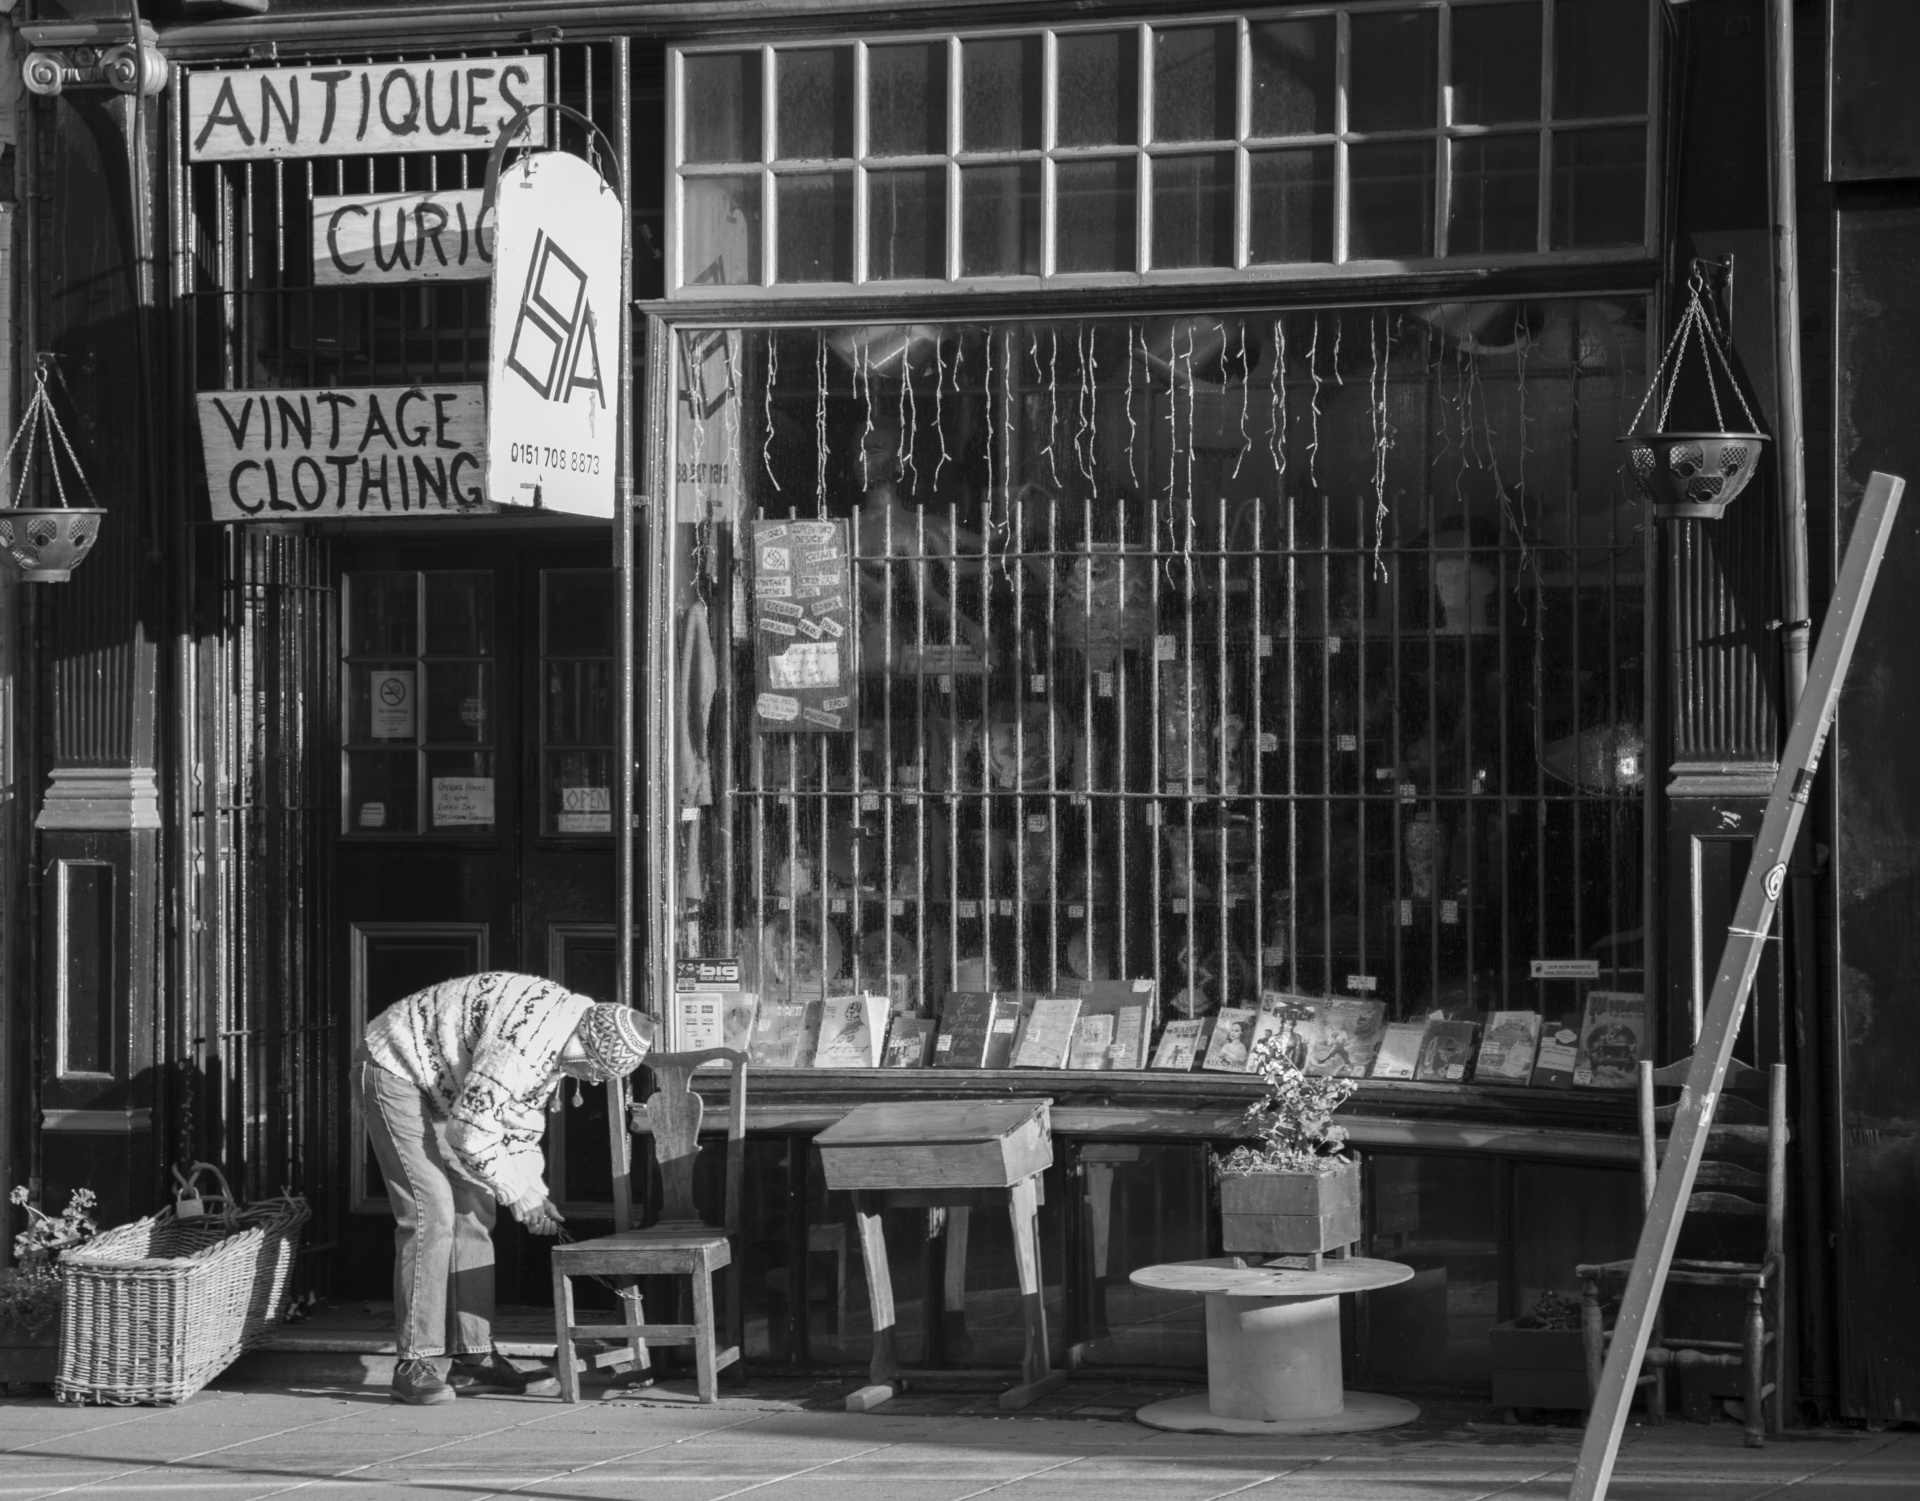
(1179, 664)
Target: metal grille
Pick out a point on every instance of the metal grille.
(1296, 652)
(263, 751)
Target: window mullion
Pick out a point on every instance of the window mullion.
(1342, 186)
(1242, 128)
(861, 271)
(1544, 219)
(1443, 144)
(1049, 137)
(1143, 191)
(954, 205)
(677, 188)
(769, 200)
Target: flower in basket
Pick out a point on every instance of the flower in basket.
(30, 1292)
(1292, 1123)
(1551, 1311)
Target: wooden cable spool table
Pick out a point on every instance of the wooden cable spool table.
(1273, 1348)
(954, 1155)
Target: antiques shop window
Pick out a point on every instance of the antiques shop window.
(1264, 144)
(1173, 662)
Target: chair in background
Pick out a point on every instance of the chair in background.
(1742, 1178)
(678, 1244)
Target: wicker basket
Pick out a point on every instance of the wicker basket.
(155, 1310)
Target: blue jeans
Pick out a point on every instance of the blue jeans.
(443, 1223)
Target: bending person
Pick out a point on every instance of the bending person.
(455, 1083)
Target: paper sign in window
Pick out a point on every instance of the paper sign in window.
(806, 664)
(462, 800)
(392, 704)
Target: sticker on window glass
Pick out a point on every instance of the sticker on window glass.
(586, 810)
(462, 800)
(393, 702)
(373, 815)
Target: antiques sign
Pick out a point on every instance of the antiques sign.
(803, 649)
(392, 237)
(554, 341)
(359, 451)
(366, 109)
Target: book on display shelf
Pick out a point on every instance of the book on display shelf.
(1119, 998)
(1283, 1015)
(1182, 1042)
(965, 1018)
(1009, 1021)
(1399, 1052)
(1446, 1053)
(1507, 1048)
(1558, 1054)
(1048, 1034)
(784, 1034)
(909, 1042)
(1228, 1048)
(1132, 1026)
(1613, 1040)
(1342, 1037)
(699, 1021)
(851, 1031)
(1092, 1046)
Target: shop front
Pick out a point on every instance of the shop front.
(1132, 513)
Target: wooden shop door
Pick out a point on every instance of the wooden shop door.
(477, 759)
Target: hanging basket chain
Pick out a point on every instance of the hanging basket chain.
(41, 420)
(1695, 322)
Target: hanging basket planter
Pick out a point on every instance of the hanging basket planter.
(44, 544)
(1693, 476)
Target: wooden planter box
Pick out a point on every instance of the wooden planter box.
(1538, 1367)
(29, 1356)
(1291, 1214)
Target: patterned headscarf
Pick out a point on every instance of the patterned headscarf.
(616, 1039)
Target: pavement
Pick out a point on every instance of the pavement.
(787, 1439)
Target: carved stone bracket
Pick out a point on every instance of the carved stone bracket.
(93, 54)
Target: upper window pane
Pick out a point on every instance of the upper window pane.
(907, 100)
(1000, 94)
(814, 102)
(460, 614)
(1599, 58)
(816, 226)
(1099, 89)
(723, 107)
(1293, 77)
(1495, 73)
(1193, 84)
(1392, 71)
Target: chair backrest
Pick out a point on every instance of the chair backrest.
(674, 1114)
(1724, 1184)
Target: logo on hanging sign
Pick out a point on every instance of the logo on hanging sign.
(552, 411)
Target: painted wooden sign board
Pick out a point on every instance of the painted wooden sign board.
(373, 451)
(363, 109)
(802, 635)
(553, 372)
(378, 238)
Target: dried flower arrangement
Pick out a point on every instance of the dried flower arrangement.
(1292, 1123)
(30, 1292)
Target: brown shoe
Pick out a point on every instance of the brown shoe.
(492, 1371)
(418, 1384)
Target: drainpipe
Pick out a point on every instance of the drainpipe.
(1818, 1087)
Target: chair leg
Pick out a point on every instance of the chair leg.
(1756, 1366)
(706, 1376)
(563, 1336)
(1592, 1335)
(1779, 1292)
(1657, 1392)
(633, 1312)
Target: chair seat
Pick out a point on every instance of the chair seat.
(663, 1249)
(1692, 1273)
(658, 1237)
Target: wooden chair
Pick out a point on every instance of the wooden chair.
(1726, 1187)
(678, 1244)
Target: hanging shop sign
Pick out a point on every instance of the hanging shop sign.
(376, 238)
(803, 649)
(361, 451)
(455, 104)
(552, 364)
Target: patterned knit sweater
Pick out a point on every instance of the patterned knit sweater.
(484, 1049)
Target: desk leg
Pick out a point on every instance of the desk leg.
(1036, 1378)
(884, 1382)
(954, 1338)
(1100, 1207)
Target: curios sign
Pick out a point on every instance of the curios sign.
(554, 340)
